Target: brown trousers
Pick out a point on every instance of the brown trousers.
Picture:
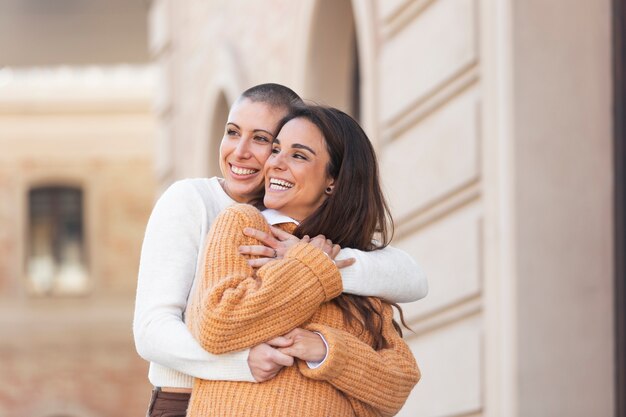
(168, 404)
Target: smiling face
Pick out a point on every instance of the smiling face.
(245, 147)
(295, 172)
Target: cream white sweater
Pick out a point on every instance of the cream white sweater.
(170, 258)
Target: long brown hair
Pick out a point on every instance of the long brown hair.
(355, 214)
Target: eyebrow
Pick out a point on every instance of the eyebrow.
(297, 146)
(255, 130)
(300, 146)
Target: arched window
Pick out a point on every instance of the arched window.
(55, 262)
(218, 122)
(333, 73)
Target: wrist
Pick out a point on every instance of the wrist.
(318, 363)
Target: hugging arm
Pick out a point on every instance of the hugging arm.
(379, 380)
(166, 272)
(388, 273)
(233, 308)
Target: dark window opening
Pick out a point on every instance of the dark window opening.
(55, 261)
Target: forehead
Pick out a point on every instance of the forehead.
(255, 114)
(302, 131)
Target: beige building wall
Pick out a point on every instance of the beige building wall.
(92, 128)
(562, 183)
(492, 123)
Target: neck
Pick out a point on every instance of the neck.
(256, 200)
(299, 217)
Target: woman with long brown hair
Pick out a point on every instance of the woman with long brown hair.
(321, 178)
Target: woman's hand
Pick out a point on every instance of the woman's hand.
(273, 246)
(306, 345)
(265, 360)
(325, 245)
(331, 250)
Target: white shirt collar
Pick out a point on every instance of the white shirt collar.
(275, 217)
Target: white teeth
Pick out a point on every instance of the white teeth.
(242, 171)
(277, 184)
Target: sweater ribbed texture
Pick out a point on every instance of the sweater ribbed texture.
(234, 308)
(171, 258)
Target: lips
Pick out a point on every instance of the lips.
(278, 184)
(242, 171)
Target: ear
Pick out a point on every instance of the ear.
(330, 187)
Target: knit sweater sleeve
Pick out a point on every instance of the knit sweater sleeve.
(233, 308)
(381, 379)
(166, 272)
(388, 273)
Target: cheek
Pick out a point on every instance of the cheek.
(262, 155)
(315, 189)
(224, 149)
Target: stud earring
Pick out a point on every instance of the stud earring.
(329, 190)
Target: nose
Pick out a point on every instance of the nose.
(276, 161)
(242, 151)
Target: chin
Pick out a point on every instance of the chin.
(272, 204)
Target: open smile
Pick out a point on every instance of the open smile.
(277, 184)
(242, 171)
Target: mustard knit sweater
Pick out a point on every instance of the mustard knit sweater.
(235, 307)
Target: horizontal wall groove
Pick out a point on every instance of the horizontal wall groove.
(436, 209)
(455, 85)
(443, 316)
(402, 16)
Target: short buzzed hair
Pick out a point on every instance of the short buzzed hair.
(276, 95)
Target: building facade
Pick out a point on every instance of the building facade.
(493, 126)
(76, 189)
